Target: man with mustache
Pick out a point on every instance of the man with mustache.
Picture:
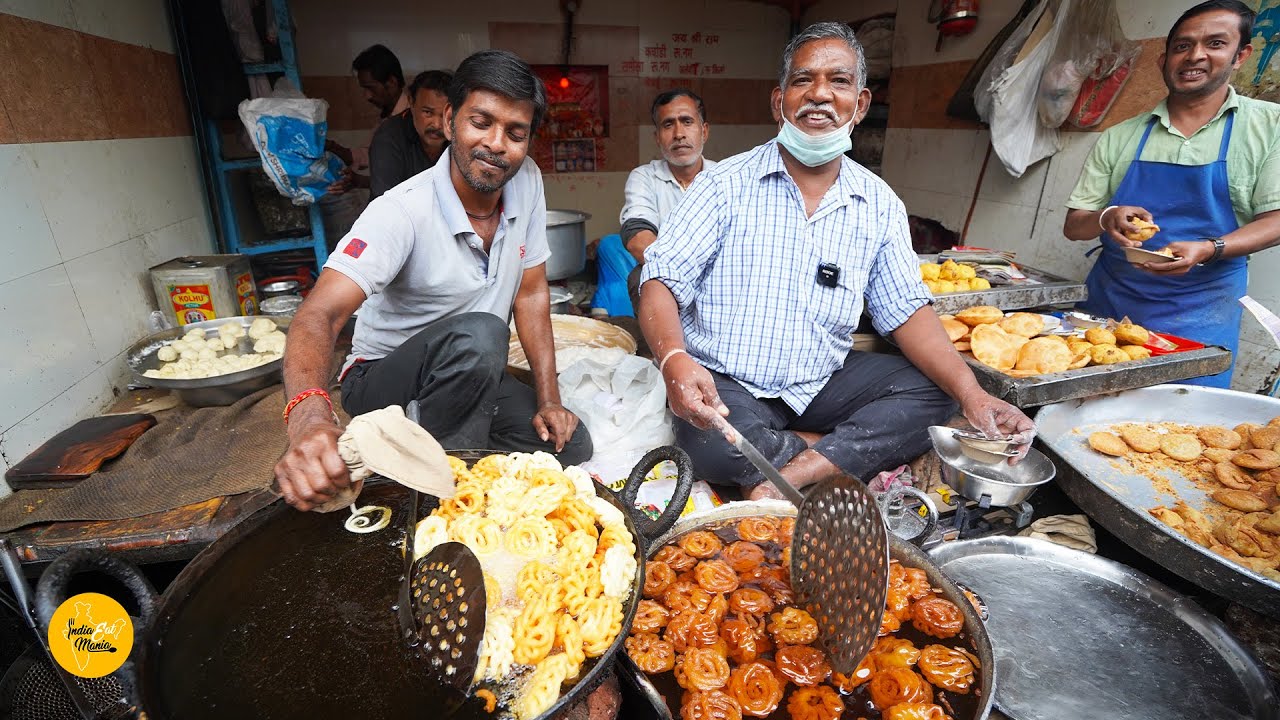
(437, 267)
(412, 141)
(381, 80)
(1205, 166)
(761, 274)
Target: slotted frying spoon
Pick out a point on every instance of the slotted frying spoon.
(839, 557)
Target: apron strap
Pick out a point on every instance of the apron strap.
(1226, 136)
(1143, 142)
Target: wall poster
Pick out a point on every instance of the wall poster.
(577, 116)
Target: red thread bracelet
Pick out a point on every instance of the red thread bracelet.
(303, 396)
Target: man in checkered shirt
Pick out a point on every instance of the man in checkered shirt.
(759, 277)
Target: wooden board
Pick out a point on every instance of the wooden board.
(77, 452)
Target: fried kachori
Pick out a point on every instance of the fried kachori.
(1241, 500)
(994, 347)
(1257, 459)
(1100, 336)
(1043, 355)
(1181, 446)
(962, 346)
(980, 315)
(1218, 455)
(1130, 334)
(1135, 352)
(1140, 438)
(1108, 443)
(1266, 437)
(1023, 323)
(1107, 355)
(1232, 476)
(1216, 436)
(1145, 230)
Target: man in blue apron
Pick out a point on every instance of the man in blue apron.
(1204, 165)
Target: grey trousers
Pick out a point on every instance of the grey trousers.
(456, 369)
(875, 413)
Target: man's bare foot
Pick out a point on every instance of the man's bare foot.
(810, 438)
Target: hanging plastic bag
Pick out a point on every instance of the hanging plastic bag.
(1010, 99)
(1091, 46)
(288, 131)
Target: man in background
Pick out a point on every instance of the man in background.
(408, 143)
(378, 71)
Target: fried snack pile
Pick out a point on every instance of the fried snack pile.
(1146, 230)
(1009, 343)
(1239, 468)
(558, 565)
(951, 276)
(718, 614)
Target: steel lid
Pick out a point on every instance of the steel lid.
(1079, 636)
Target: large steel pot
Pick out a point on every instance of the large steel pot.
(288, 615)
(901, 550)
(567, 237)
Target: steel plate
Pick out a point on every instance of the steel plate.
(1078, 636)
(1119, 500)
(1049, 290)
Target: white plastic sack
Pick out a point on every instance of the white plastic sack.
(288, 131)
(1016, 133)
(621, 399)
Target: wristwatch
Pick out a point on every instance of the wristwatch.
(1218, 246)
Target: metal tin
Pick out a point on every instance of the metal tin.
(1079, 636)
(281, 305)
(1119, 499)
(1099, 379)
(899, 550)
(206, 287)
(203, 392)
(1049, 290)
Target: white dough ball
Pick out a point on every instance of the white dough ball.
(229, 341)
(207, 354)
(261, 327)
(189, 355)
(167, 354)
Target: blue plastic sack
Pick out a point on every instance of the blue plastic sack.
(289, 134)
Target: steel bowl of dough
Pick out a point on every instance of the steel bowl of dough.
(231, 383)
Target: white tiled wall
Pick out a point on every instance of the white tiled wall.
(83, 221)
(138, 22)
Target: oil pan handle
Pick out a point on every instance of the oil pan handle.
(930, 520)
(52, 589)
(651, 530)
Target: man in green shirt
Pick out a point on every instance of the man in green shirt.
(1204, 165)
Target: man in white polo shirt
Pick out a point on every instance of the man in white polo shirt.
(437, 266)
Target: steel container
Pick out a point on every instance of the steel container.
(567, 237)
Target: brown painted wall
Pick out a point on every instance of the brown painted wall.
(58, 84)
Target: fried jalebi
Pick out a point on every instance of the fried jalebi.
(755, 687)
(861, 674)
(468, 499)
(580, 587)
(650, 617)
(533, 579)
(531, 537)
(786, 557)
(709, 705)
(786, 528)
(916, 711)
(542, 690)
(801, 664)
(917, 584)
(815, 703)
(763, 572)
(758, 529)
(690, 629)
(743, 644)
(716, 576)
(937, 616)
(618, 572)
(492, 591)
(898, 685)
(779, 590)
(889, 623)
(750, 601)
(679, 596)
(569, 640)
(576, 550)
(897, 602)
(658, 576)
(891, 652)
(717, 608)
(651, 654)
(742, 556)
(793, 626)
(701, 669)
(577, 514)
(948, 668)
(481, 534)
(701, 544)
(490, 700)
(615, 535)
(677, 559)
(600, 621)
(499, 643)
(535, 631)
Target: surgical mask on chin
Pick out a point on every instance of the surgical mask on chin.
(815, 150)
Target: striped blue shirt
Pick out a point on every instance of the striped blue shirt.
(742, 260)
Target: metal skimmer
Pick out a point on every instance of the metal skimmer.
(839, 558)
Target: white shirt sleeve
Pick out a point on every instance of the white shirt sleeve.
(640, 197)
(536, 249)
(377, 247)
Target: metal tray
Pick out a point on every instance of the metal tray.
(1099, 379)
(1119, 500)
(1049, 290)
(1079, 636)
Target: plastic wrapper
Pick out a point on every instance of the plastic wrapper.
(288, 131)
(1091, 47)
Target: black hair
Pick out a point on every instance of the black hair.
(1245, 13)
(379, 62)
(502, 72)
(437, 80)
(670, 95)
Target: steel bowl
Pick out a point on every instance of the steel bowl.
(204, 392)
(280, 287)
(561, 299)
(1003, 483)
(567, 238)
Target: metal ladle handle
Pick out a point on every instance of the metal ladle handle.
(765, 467)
